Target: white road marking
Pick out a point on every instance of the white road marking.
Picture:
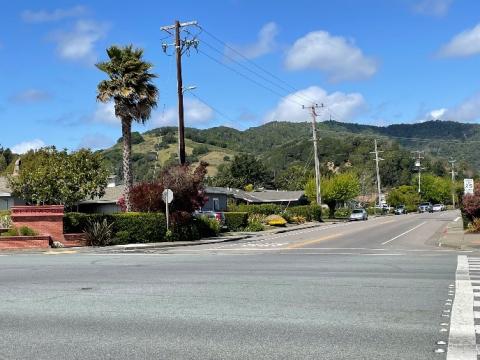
(404, 233)
(462, 339)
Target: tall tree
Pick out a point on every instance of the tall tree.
(134, 95)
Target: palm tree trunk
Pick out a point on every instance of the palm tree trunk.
(127, 160)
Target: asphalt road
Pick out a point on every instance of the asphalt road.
(367, 290)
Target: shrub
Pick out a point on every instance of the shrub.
(308, 212)
(275, 220)
(141, 227)
(5, 222)
(207, 226)
(236, 221)
(121, 237)
(342, 213)
(98, 233)
(21, 231)
(298, 219)
(263, 209)
(255, 223)
(474, 226)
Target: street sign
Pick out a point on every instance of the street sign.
(167, 196)
(468, 186)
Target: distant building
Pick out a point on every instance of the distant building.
(279, 197)
(217, 199)
(7, 200)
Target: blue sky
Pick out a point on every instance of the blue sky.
(371, 61)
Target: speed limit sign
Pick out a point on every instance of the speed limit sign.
(468, 186)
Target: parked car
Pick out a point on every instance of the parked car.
(438, 207)
(425, 207)
(358, 214)
(400, 210)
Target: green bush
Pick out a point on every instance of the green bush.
(21, 231)
(236, 221)
(141, 227)
(372, 211)
(263, 209)
(342, 213)
(121, 237)
(207, 227)
(5, 221)
(309, 212)
(255, 223)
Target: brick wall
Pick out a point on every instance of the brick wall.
(73, 240)
(45, 219)
(24, 242)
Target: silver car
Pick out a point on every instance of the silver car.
(358, 214)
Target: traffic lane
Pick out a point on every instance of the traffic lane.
(282, 306)
(369, 234)
(423, 235)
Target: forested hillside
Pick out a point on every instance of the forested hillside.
(283, 145)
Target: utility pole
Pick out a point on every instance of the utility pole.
(452, 161)
(418, 165)
(377, 160)
(180, 45)
(314, 114)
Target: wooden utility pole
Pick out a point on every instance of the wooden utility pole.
(377, 168)
(453, 181)
(313, 112)
(179, 46)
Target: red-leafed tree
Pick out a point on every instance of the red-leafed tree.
(471, 203)
(147, 197)
(187, 187)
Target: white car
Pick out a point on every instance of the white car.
(437, 207)
(358, 214)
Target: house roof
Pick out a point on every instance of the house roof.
(112, 195)
(263, 196)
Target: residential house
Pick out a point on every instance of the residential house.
(7, 200)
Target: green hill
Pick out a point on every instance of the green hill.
(282, 144)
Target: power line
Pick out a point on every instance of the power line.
(292, 88)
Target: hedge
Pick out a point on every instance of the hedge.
(130, 227)
(236, 221)
(309, 212)
(342, 213)
(262, 209)
(143, 227)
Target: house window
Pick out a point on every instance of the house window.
(216, 204)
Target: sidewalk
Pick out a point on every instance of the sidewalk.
(236, 236)
(455, 237)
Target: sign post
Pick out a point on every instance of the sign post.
(167, 197)
(468, 186)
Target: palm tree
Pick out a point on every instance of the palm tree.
(130, 87)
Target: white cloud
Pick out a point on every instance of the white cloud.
(41, 16)
(437, 114)
(466, 111)
(466, 43)
(30, 96)
(436, 8)
(105, 113)
(265, 43)
(95, 141)
(195, 113)
(78, 44)
(344, 106)
(337, 56)
(23, 147)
